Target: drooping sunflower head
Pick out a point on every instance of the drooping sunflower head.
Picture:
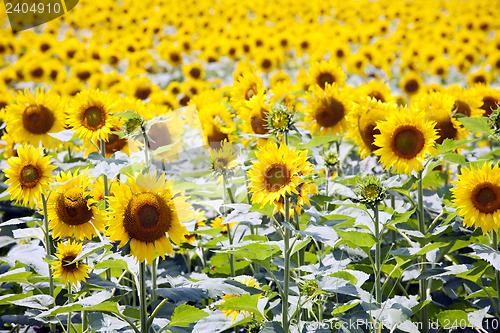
(66, 268)
(277, 172)
(477, 197)
(363, 119)
(29, 175)
(327, 110)
(326, 73)
(405, 138)
(34, 115)
(439, 107)
(145, 213)
(90, 115)
(72, 208)
(245, 87)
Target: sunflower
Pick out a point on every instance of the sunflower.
(377, 90)
(327, 110)
(405, 139)
(245, 87)
(64, 268)
(194, 71)
(146, 213)
(364, 119)
(254, 114)
(32, 117)
(277, 172)
(490, 98)
(438, 107)
(217, 223)
(224, 159)
(326, 72)
(89, 115)
(467, 102)
(29, 175)
(248, 281)
(411, 83)
(477, 197)
(72, 209)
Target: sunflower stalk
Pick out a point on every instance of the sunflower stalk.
(106, 195)
(142, 298)
(224, 199)
(421, 226)
(48, 244)
(70, 300)
(378, 286)
(286, 240)
(497, 272)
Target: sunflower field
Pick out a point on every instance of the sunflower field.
(262, 166)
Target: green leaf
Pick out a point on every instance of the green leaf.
(357, 238)
(40, 302)
(16, 275)
(117, 263)
(271, 327)
(266, 210)
(185, 314)
(455, 158)
(476, 124)
(246, 303)
(449, 319)
(449, 145)
(343, 308)
(318, 141)
(127, 114)
(90, 248)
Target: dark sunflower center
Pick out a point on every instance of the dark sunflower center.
(67, 265)
(159, 135)
(2, 105)
(479, 79)
(324, 78)
(71, 207)
(250, 92)
(94, 118)
(259, 122)
(486, 197)
(411, 86)
(216, 137)
(38, 119)
(463, 108)
(30, 174)
(445, 130)
(377, 95)
(330, 112)
(407, 142)
(37, 72)
(142, 93)
(147, 217)
(489, 104)
(115, 143)
(368, 136)
(276, 177)
(195, 73)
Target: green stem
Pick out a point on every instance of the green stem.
(153, 277)
(146, 147)
(497, 272)
(48, 244)
(85, 323)
(378, 286)
(69, 313)
(421, 226)
(106, 195)
(224, 197)
(142, 299)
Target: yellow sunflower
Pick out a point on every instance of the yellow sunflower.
(327, 110)
(467, 102)
(217, 124)
(490, 98)
(248, 281)
(29, 175)
(64, 268)
(33, 116)
(277, 172)
(438, 107)
(326, 72)
(254, 114)
(217, 223)
(89, 115)
(376, 90)
(72, 209)
(245, 87)
(146, 213)
(477, 197)
(405, 139)
(411, 83)
(364, 119)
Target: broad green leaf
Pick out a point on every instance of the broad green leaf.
(271, 327)
(185, 314)
(357, 238)
(343, 308)
(318, 141)
(449, 319)
(40, 302)
(476, 124)
(15, 275)
(449, 145)
(246, 303)
(486, 253)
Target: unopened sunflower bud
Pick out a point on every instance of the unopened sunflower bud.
(132, 124)
(495, 121)
(371, 191)
(331, 160)
(279, 119)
